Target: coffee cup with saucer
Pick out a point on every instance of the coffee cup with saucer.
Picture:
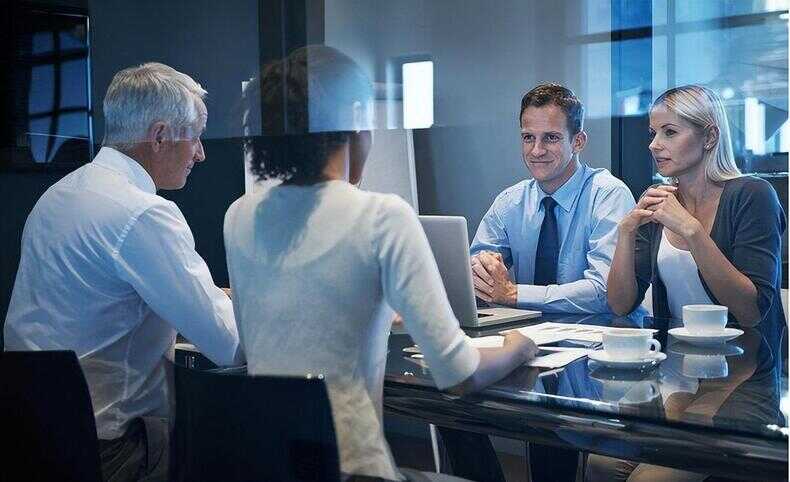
(628, 348)
(705, 325)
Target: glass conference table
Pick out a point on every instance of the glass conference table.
(719, 411)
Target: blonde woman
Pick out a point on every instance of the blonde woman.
(713, 235)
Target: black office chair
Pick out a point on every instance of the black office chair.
(46, 419)
(234, 427)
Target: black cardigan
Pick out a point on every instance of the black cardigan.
(748, 230)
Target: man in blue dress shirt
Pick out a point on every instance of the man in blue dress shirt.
(556, 232)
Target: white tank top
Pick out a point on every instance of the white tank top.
(678, 271)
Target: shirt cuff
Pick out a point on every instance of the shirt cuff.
(530, 295)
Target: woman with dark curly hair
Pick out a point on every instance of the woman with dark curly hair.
(315, 264)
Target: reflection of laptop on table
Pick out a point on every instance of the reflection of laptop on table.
(450, 245)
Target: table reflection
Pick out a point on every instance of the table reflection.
(735, 386)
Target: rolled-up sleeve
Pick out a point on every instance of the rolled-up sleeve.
(157, 258)
(413, 287)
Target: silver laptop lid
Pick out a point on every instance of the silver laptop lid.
(449, 242)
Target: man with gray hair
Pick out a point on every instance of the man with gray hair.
(109, 269)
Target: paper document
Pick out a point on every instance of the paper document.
(558, 358)
(550, 356)
(545, 333)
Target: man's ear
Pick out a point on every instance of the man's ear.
(156, 135)
(579, 141)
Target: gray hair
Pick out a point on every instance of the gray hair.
(703, 108)
(152, 92)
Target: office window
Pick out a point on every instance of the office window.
(738, 49)
(47, 90)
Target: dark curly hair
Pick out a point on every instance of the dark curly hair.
(562, 97)
(300, 111)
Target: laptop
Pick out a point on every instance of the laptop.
(449, 242)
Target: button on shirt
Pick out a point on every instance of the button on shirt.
(109, 270)
(590, 205)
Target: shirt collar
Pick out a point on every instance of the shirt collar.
(568, 192)
(126, 166)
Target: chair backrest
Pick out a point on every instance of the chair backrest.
(233, 427)
(46, 418)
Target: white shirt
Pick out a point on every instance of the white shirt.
(678, 271)
(109, 270)
(314, 271)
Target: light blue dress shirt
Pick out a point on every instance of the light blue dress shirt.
(589, 207)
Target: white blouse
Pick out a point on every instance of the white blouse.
(314, 271)
(678, 271)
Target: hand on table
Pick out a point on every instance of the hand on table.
(525, 345)
(491, 280)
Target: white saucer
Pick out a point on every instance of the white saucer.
(726, 335)
(653, 358)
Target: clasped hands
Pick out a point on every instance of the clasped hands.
(660, 205)
(491, 280)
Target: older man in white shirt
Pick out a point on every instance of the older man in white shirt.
(109, 268)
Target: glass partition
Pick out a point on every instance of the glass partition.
(460, 68)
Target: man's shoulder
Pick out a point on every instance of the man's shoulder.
(514, 194)
(600, 179)
(603, 193)
(93, 184)
(100, 201)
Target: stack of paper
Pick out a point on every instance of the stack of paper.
(549, 357)
(545, 333)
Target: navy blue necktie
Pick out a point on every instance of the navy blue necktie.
(548, 246)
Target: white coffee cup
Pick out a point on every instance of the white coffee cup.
(629, 344)
(704, 319)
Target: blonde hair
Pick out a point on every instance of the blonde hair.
(703, 108)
